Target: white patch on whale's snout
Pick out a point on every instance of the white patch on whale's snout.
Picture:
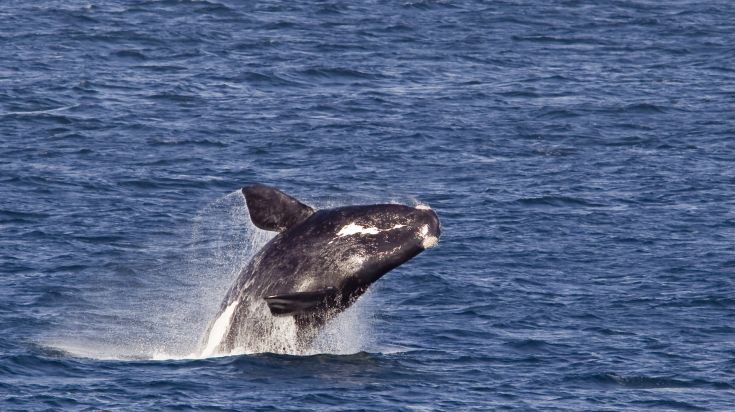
(428, 240)
(219, 329)
(354, 229)
(424, 230)
(423, 207)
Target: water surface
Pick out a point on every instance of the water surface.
(579, 154)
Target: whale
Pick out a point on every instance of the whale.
(318, 264)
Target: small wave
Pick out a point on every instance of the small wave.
(606, 331)
(642, 108)
(476, 158)
(530, 345)
(331, 9)
(649, 382)
(160, 68)
(556, 201)
(264, 79)
(130, 55)
(560, 40)
(428, 4)
(703, 301)
(186, 142)
(668, 404)
(14, 216)
(520, 94)
(174, 97)
(558, 114)
(161, 183)
(338, 73)
(40, 112)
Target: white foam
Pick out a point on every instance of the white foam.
(33, 112)
(352, 331)
(219, 329)
(166, 319)
(163, 356)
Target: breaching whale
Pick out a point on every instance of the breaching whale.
(319, 263)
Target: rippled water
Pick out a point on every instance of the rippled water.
(579, 154)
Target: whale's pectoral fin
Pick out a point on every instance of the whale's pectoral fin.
(300, 302)
(271, 209)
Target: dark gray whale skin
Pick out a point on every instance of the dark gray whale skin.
(321, 261)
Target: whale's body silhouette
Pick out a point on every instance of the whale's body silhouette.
(318, 265)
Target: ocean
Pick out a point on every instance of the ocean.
(580, 156)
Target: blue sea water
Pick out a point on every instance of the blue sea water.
(580, 155)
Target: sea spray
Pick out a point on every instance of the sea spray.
(169, 316)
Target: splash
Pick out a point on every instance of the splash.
(219, 329)
(169, 317)
(348, 332)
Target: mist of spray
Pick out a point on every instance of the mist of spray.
(168, 319)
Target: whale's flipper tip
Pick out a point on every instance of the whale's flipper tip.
(299, 302)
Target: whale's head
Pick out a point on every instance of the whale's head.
(371, 240)
(385, 227)
(356, 245)
(381, 237)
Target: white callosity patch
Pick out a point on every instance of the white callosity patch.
(219, 329)
(424, 230)
(422, 207)
(428, 240)
(354, 229)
